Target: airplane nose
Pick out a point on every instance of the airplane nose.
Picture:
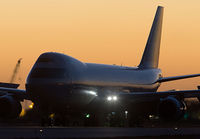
(51, 76)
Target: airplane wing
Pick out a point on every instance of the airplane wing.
(9, 85)
(11, 89)
(166, 79)
(150, 96)
(134, 96)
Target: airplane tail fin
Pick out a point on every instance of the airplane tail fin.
(150, 56)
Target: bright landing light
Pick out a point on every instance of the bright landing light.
(91, 92)
(112, 98)
(109, 98)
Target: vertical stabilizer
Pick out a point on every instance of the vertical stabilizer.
(150, 56)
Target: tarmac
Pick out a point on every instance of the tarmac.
(95, 132)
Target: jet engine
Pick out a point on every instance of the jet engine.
(9, 107)
(171, 109)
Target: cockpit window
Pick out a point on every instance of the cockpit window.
(48, 73)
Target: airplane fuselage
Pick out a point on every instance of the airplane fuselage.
(69, 82)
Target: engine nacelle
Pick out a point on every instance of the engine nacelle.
(9, 107)
(171, 109)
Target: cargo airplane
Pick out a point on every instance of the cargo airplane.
(58, 83)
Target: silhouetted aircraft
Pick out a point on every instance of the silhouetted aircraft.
(58, 83)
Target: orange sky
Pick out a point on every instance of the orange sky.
(100, 31)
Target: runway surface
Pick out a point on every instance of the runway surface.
(98, 132)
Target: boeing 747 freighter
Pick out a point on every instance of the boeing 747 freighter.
(58, 83)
